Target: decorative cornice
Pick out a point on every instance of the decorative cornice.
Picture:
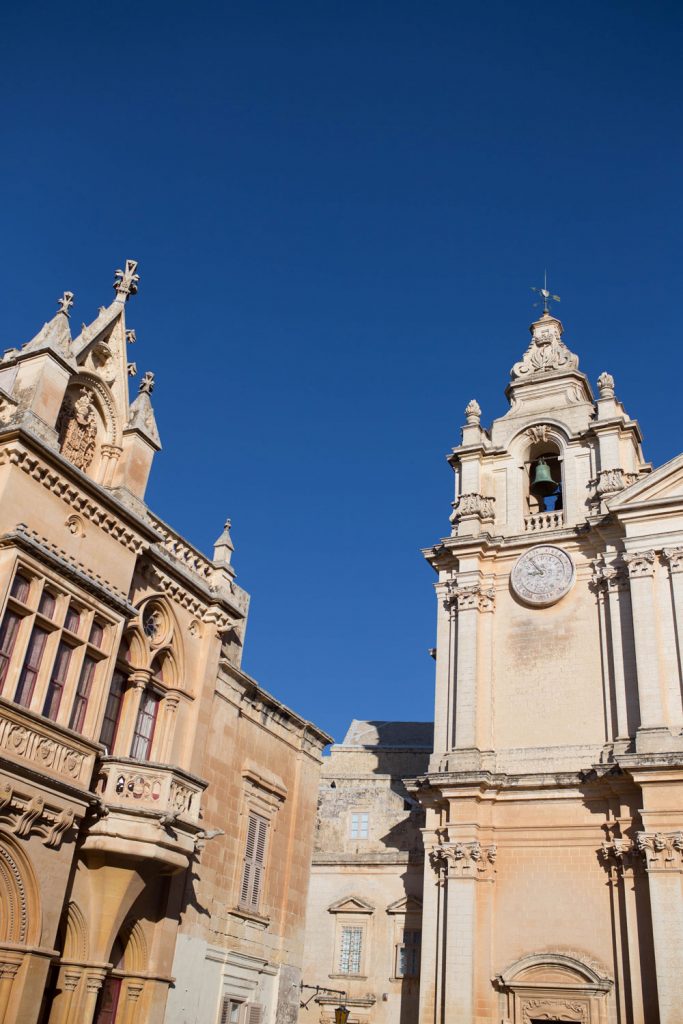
(640, 563)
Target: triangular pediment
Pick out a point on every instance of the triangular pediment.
(406, 905)
(663, 486)
(351, 905)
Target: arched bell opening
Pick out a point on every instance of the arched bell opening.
(544, 484)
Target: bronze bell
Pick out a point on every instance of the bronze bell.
(543, 485)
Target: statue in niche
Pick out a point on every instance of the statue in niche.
(77, 427)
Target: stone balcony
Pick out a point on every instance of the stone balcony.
(163, 789)
(147, 812)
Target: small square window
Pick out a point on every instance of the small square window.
(360, 822)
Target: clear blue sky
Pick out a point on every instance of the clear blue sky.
(338, 209)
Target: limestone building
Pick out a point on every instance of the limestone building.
(554, 796)
(363, 926)
(156, 804)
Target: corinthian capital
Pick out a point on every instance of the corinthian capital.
(674, 559)
(640, 563)
(663, 851)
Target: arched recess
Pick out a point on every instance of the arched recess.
(554, 986)
(75, 934)
(89, 424)
(541, 443)
(20, 910)
(135, 949)
(153, 641)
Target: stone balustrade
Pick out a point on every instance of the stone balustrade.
(125, 783)
(543, 521)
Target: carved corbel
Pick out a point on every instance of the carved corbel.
(32, 811)
(61, 824)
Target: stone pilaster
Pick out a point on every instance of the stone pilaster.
(641, 569)
(471, 601)
(663, 852)
(445, 670)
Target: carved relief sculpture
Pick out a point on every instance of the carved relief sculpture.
(77, 428)
(546, 352)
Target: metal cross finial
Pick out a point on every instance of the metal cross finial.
(147, 383)
(126, 281)
(546, 296)
(65, 303)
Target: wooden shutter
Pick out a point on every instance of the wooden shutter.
(254, 861)
(225, 1011)
(254, 1014)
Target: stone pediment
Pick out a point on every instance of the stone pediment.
(664, 486)
(351, 905)
(406, 905)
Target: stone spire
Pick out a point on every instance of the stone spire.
(55, 334)
(126, 281)
(141, 416)
(223, 549)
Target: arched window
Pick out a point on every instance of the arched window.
(544, 478)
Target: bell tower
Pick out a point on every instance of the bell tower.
(558, 691)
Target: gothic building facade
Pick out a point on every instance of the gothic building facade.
(156, 804)
(554, 795)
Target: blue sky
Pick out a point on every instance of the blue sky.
(339, 210)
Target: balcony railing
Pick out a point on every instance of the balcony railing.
(542, 521)
(125, 783)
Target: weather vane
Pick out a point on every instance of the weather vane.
(546, 296)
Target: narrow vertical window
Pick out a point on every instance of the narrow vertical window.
(72, 621)
(254, 861)
(112, 712)
(57, 682)
(408, 954)
(83, 689)
(230, 1011)
(47, 604)
(20, 588)
(350, 950)
(359, 825)
(96, 634)
(29, 672)
(144, 727)
(8, 638)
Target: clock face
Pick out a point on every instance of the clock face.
(542, 575)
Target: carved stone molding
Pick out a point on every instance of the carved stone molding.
(538, 434)
(611, 481)
(640, 563)
(555, 1010)
(546, 352)
(464, 860)
(663, 851)
(473, 505)
(25, 815)
(609, 577)
(674, 559)
(469, 598)
(20, 738)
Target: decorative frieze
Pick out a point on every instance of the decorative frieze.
(555, 1009)
(464, 860)
(41, 746)
(640, 563)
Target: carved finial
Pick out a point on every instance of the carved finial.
(65, 303)
(131, 336)
(126, 281)
(132, 369)
(147, 383)
(224, 547)
(606, 385)
(546, 296)
(473, 412)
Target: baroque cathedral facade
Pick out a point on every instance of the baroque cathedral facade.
(156, 803)
(552, 801)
